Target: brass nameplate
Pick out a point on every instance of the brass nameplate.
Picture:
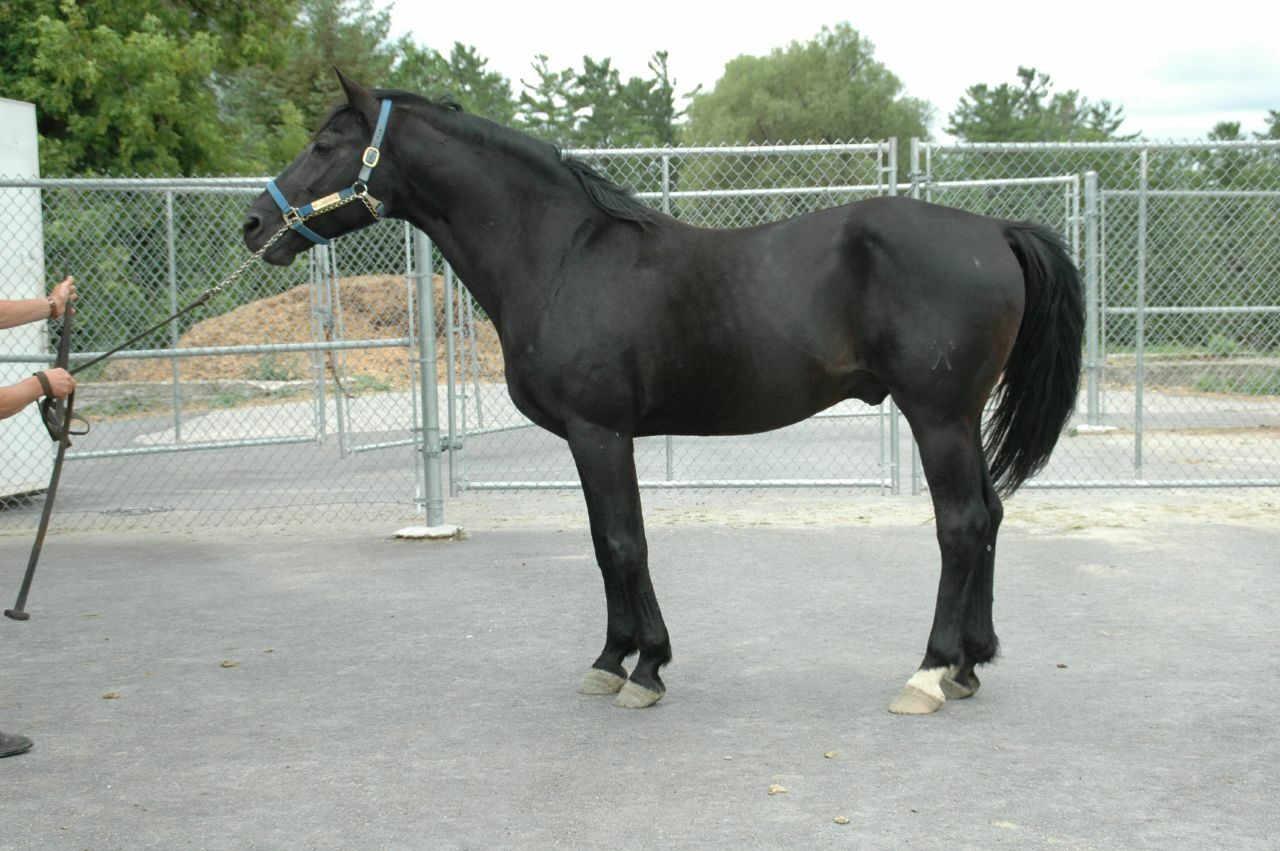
(325, 202)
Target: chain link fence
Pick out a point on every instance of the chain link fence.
(295, 395)
(1179, 245)
(302, 394)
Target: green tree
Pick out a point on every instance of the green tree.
(1273, 126)
(1029, 111)
(348, 34)
(650, 105)
(275, 104)
(829, 89)
(543, 107)
(1225, 131)
(142, 106)
(594, 108)
(598, 117)
(271, 128)
(246, 31)
(462, 75)
(132, 87)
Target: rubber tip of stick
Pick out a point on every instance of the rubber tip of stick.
(17, 615)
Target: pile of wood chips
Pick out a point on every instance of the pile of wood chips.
(372, 307)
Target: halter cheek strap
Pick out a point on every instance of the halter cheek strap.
(295, 217)
(372, 153)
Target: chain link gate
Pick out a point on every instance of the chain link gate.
(849, 445)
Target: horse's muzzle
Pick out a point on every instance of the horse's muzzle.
(257, 229)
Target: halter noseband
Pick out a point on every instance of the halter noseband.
(295, 216)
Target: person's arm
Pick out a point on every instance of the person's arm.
(15, 397)
(21, 311)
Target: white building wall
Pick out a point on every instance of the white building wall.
(26, 453)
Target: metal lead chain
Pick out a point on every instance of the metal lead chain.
(230, 279)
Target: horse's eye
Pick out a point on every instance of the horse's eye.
(323, 148)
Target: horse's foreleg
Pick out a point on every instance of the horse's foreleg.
(953, 467)
(606, 465)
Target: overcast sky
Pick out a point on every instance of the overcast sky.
(1177, 69)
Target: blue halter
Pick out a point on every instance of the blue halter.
(295, 216)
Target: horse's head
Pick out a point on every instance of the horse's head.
(342, 181)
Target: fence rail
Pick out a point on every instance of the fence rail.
(314, 391)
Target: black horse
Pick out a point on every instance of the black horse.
(618, 321)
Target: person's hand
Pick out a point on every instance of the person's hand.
(60, 381)
(64, 293)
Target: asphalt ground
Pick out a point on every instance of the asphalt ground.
(333, 687)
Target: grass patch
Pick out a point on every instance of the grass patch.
(231, 398)
(1216, 347)
(367, 384)
(1256, 384)
(273, 366)
(124, 406)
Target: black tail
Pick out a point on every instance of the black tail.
(1037, 391)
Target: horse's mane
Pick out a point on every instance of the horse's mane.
(617, 201)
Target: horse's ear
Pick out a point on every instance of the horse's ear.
(359, 97)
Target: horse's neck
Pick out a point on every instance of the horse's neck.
(503, 247)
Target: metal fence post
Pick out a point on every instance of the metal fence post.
(473, 358)
(1093, 414)
(173, 308)
(666, 208)
(325, 324)
(1140, 331)
(888, 412)
(450, 329)
(424, 298)
(319, 392)
(918, 178)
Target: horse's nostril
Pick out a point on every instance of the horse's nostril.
(251, 223)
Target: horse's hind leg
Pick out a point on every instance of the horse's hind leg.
(606, 465)
(979, 637)
(954, 469)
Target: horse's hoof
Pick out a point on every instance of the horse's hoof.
(958, 689)
(601, 682)
(633, 696)
(922, 695)
(914, 701)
